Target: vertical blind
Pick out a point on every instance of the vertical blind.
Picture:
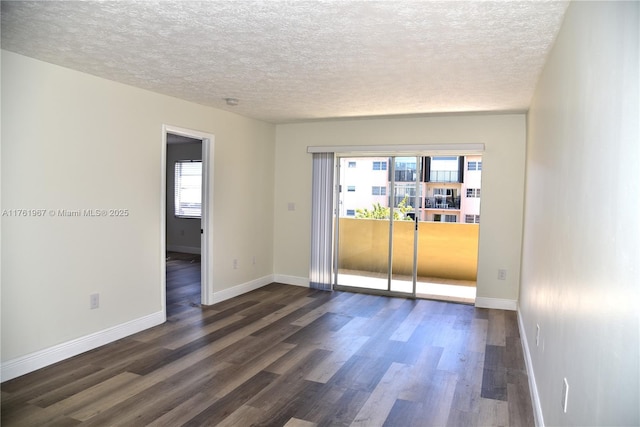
(320, 276)
(188, 189)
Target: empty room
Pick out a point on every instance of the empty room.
(320, 213)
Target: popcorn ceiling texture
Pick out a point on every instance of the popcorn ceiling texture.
(298, 60)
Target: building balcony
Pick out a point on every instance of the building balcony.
(443, 202)
(444, 176)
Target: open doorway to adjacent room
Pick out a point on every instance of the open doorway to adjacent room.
(184, 222)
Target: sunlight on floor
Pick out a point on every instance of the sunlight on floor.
(426, 287)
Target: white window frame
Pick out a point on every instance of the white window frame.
(190, 188)
(472, 219)
(473, 192)
(378, 190)
(447, 217)
(382, 166)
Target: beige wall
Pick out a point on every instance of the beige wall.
(502, 184)
(74, 141)
(580, 253)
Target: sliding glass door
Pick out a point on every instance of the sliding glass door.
(408, 225)
(377, 223)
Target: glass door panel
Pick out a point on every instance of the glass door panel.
(406, 172)
(408, 226)
(363, 223)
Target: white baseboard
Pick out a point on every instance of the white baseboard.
(23, 365)
(533, 388)
(497, 303)
(183, 249)
(292, 280)
(243, 288)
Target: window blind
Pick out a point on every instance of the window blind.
(322, 221)
(188, 189)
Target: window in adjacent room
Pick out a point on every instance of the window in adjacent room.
(188, 189)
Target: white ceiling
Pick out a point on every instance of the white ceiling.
(299, 60)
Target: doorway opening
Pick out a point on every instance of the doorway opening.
(408, 225)
(184, 222)
(186, 227)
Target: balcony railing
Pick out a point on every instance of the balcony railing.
(448, 202)
(444, 176)
(445, 250)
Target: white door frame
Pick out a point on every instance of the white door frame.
(206, 243)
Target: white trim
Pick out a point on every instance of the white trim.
(206, 278)
(183, 249)
(497, 303)
(206, 241)
(427, 149)
(24, 364)
(241, 289)
(533, 388)
(291, 280)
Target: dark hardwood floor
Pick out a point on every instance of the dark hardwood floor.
(286, 355)
(183, 282)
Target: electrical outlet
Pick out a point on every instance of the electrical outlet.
(565, 394)
(94, 301)
(235, 264)
(502, 274)
(537, 335)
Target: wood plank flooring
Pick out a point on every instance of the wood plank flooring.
(289, 356)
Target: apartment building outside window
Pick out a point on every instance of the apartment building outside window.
(379, 166)
(472, 219)
(473, 192)
(474, 166)
(445, 218)
(378, 190)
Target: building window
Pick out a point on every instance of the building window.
(351, 212)
(188, 189)
(378, 191)
(474, 166)
(352, 164)
(445, 218)
(473, 192)
(351, 188)
(443, 191)
(379, 166)
(472, 219)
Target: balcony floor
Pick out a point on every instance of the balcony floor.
(463, 291)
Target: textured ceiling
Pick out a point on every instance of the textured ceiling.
(298, 60)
